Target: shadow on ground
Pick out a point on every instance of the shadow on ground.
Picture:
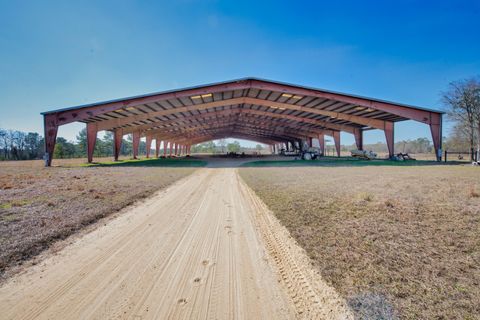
(372, 306)
(152, 162)
(223, 161)
(343, 162)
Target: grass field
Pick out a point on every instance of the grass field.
(41, 205)
(393, 240)
(338, 162)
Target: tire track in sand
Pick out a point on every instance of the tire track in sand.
(311, 296)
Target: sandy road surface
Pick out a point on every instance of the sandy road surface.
(196, 250)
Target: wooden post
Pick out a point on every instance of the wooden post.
(50, 123)
(135, 143)
(389, 135)
(436, 130)
(157, 147)
(321, 143)
(91, 140)
(148, 145)
(117, 142)
(358, 133)
(336, 139)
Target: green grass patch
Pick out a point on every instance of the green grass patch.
(13, 204)
(5, 206)
(153, 162)
(10, 217)
(337, 162)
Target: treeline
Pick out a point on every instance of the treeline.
(222, 147)
(19, 145)
(420, 145)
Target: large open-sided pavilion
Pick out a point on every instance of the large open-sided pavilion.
(265, 111)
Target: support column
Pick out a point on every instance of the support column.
(135, 143)
(310, 142)
(165, 145)
(389, 135)
(148, 145)
(117, 142)
(436, 129)
(50, 124)
(358, 133)
(336, 139)
(321, 143)
(175, 148)
(91, 140)
(171, 148)
(157, 147)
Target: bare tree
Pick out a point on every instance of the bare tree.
(462, 100)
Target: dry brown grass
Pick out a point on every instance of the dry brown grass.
(395, 241)
(40, 205)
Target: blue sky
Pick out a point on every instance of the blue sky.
(57, 54)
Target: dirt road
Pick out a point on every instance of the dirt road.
(202, 249)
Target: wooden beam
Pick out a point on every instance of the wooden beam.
(85, 112)
(104, 125)
(183, 123)
(115, 123)
(251, 124)
(375, 123)
(417, 114)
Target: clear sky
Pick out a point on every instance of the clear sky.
(56, 54)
